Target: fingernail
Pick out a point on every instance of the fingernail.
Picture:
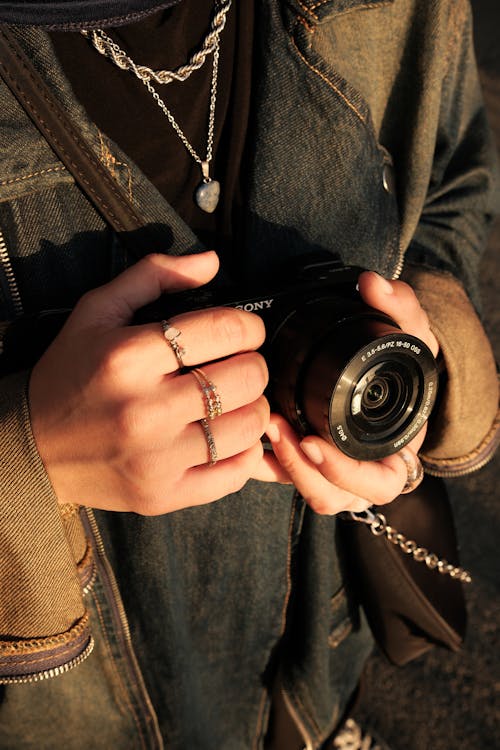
(313, 452)
(273, 433)
(385, 285)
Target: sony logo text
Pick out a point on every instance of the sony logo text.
(262, 304)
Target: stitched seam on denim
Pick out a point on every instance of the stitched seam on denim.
(122, 697)
(42, 659)
(33, 174)
(76, 139)
(307, 10)
(110, 162)
(368, 6)
(331, 84)
(316, 729)
(340, 633)
(260, 719)
(34, 644)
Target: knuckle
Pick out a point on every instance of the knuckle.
(256, 373)
(116, 359)
(319, 505)
(228, 325)
(87, 301)
(128, 424)
(254, 423)
(240, 329)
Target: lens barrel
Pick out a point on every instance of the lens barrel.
(349, 374)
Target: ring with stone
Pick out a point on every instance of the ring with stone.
(171, 334)
(414, 469)
(212, 398)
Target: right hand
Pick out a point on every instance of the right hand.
(117, 425)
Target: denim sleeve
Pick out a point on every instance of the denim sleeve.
(463, 193)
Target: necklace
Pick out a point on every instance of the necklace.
(108, 48)
(207, 193)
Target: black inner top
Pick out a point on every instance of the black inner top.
(125, 111)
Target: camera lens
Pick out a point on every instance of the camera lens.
(357, 381)
(381, 396)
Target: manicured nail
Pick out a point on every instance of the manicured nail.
(273, 433)
(313, 452)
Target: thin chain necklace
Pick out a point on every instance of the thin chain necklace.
(207, 193)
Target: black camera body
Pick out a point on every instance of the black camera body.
(338, 368)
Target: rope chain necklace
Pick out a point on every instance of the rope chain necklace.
(207, 193)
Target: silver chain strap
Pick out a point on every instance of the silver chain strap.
(107, 47)
(378, 525)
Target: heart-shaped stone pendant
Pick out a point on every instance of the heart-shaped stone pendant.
(207, 195)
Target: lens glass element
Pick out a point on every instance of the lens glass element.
(381, 396)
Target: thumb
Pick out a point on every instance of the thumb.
(398, 300)
(114, 303)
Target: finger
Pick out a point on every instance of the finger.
(398, 300)
(317, 479)
(376, 481)
(204, 336)
(237, 381)
(359, 505)
(114, 303)
(203, 484)
(180, 400)
(231, 433)
(270, 470)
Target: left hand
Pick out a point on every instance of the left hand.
(328, 480)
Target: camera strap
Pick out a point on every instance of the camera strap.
(26, 84)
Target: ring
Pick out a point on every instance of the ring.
(212, 450)
(212, 398)
(171, 334)
(415, 472)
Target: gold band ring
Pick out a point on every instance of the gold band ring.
(171, 334)
(212, 398)
(415, 471)
(212, 450)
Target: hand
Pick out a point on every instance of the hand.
(116, 424)
(329, 480)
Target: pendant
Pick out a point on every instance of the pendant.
(207, 195)
(208, 192)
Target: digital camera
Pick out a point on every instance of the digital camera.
(338, 368)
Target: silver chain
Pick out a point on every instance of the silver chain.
(211, 116)
(379, 527)
(107, 47)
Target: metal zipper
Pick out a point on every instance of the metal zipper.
(6, 264)
(109, 582)
(54, 672)
(297, 721)
(399, 266)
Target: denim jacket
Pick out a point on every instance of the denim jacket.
(369, 140)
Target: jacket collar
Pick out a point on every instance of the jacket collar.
(315, 11)
(77, 14)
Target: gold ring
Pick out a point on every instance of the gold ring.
(171, 334)
(212, 398)
(415, 471)
(212, 450)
